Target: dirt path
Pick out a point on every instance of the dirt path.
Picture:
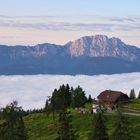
(132, 114)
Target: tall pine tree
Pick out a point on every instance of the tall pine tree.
(12, 127)
(78, 97)
(99, 131)
(122, 129)
(65, 129)
(47, 108)
(132, 94)
(22, 134)
(139, 95)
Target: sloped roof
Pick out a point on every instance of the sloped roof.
(110, 96)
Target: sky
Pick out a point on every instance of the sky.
(33, 90)
(30, 22)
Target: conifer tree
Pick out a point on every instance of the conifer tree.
(139, 95)
(68, 96)
(132, 94)
(21, 133)
(99, 131)
(78, 97)
(13, 125)
(90, 99)
(54, 102)
(122, 129)
(63, 93)
(65, 130)
(47, 108)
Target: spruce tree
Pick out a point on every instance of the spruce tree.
(68, 96)
(21, 133)
(90, 99)
(59, 96)
(47, 108)
(79, 97)
(132, 94)
(54, 102)
(99, 131)
(139, 95)
(13, 125)
(65, 130)
(122, 129)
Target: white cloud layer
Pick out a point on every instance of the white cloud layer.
(70, 23)
(32, 91)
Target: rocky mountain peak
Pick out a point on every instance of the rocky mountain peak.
(116, 41)
(102, 46)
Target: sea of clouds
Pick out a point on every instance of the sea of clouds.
(31, 91)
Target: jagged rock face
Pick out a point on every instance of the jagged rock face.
(102, 46)
(49, 50)
(14, 52)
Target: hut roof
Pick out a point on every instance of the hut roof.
(110, 96)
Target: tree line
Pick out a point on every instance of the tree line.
(12, 124)
(133, 95)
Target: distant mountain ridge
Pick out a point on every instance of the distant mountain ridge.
(87, 55)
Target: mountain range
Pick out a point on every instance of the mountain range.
(88, 55)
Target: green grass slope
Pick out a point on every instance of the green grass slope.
(132, 106)
(42, 127)
(135, 103)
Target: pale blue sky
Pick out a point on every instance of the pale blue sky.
(58, 21)
(53, 7)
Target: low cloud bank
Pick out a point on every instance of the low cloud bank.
(32, 91)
